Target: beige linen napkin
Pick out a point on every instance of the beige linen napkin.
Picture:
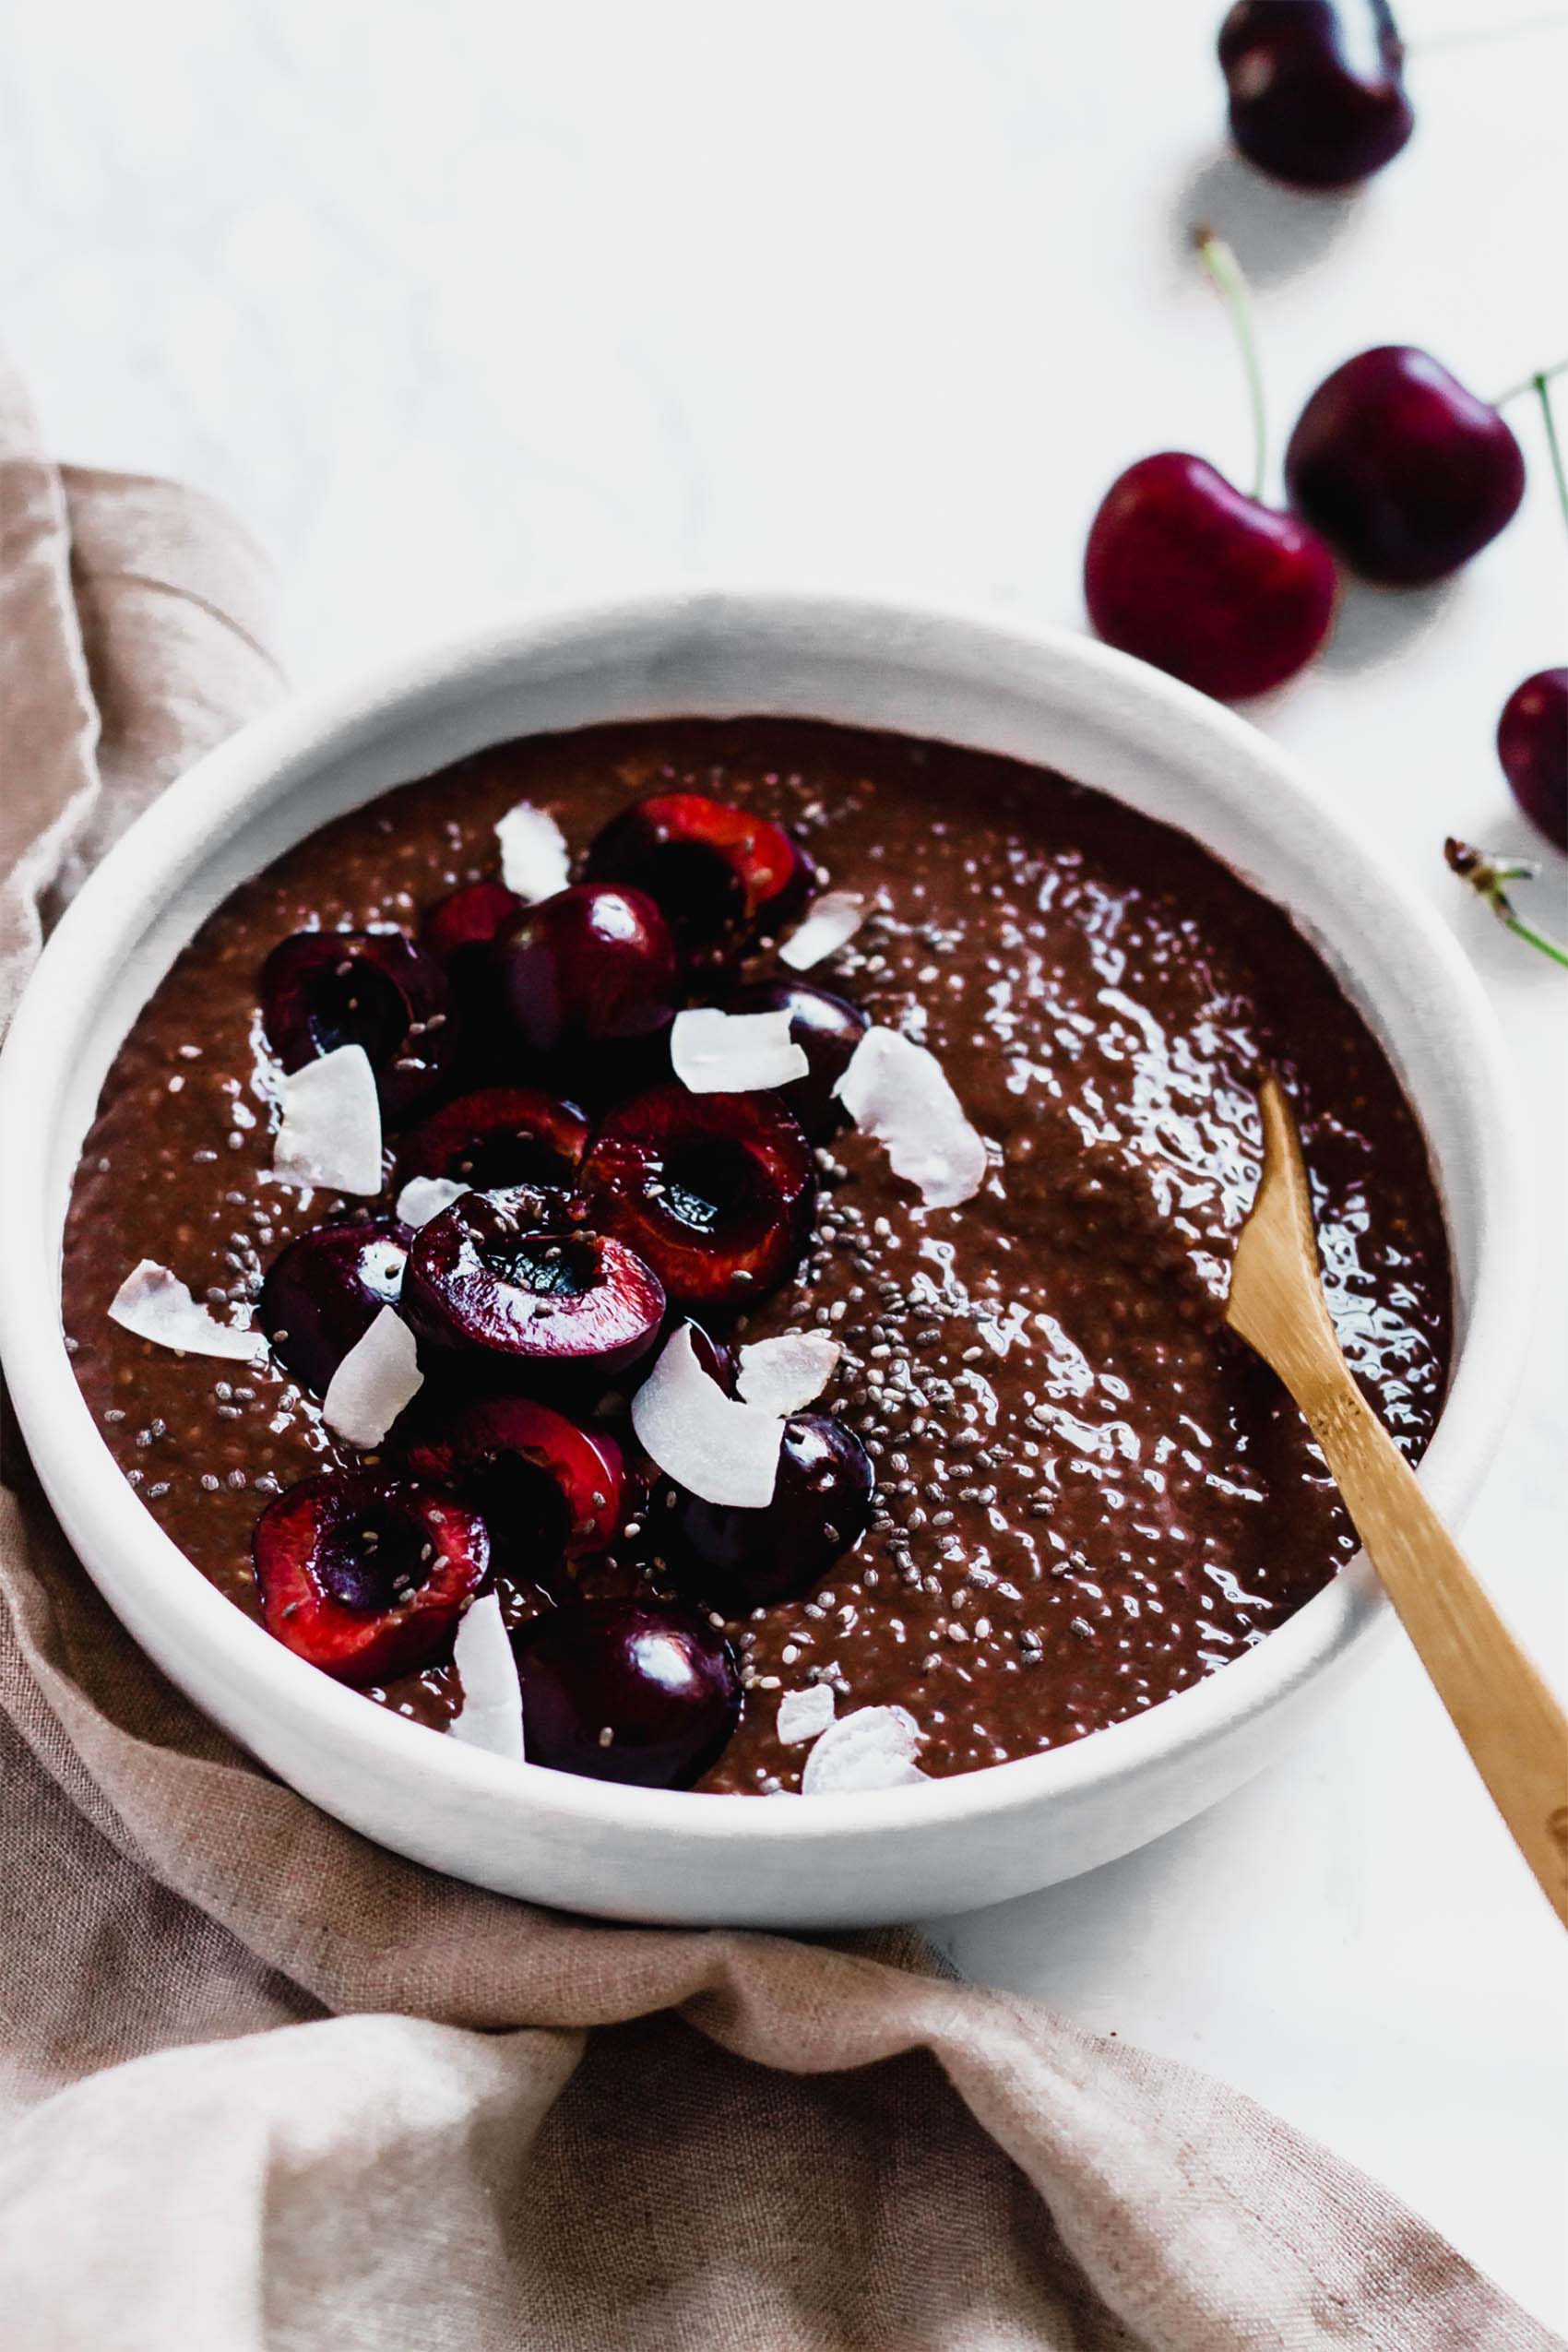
(265, 2089)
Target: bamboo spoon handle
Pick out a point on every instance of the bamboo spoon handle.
(1513, 1726)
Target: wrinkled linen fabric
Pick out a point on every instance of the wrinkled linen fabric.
(266, 2089)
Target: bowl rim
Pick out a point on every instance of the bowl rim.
(131, 1555)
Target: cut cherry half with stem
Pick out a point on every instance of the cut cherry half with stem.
(321, 1294)
(548, 1490)
(1185, 571)
(723, 875)
(1316, 89)
(321, 990)
(1405, 473)
(496, 1138)
(738, 1560)
(626, 1691)
(714, 1190)
(366, 1576)
(826, 1028)
(521, 1303)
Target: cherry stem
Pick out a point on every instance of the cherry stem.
(1226, 271)
(1543, 389)
(1488, 877)
(1531, 383)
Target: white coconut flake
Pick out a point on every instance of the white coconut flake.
(423, 1197)
(534, 858)
(715, 1052)
(786, 1375)
(897, 1092)
(492, 1714)
(873, 1747)
(831, 925)
(719, 1449)
(803, 1714)
(330, 1133)
(156, 1305)
(378, 1376)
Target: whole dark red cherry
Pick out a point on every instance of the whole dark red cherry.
(624, 1691)
(1317, 97)
(595, 964)
(1220, 591)
(826, 1028)
(1405, 472)
(518, 1304)
(323, 1293)
(720, 875)
(548, 1489)
(1532, 743)
(737, 1560)
(365, 1575)
(468, 918)
(325, 989)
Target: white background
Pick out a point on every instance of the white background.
(468, 305)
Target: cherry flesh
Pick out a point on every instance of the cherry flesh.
(518, 1303)
(1316, 92)
(323, 1293)
(826, 1028)
(321, 990)
(547, 1489)
(496, 1138)
(624, 1691)
(1217, 589)
(366, 1576)
(720, 875)
(1532, 745)
(739, 1559)
(1405, 472)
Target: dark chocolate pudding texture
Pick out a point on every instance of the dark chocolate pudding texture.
(1089, 1496)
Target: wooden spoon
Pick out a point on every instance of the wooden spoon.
(1514, 1727)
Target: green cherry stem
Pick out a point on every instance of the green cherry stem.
(1226, 271)
(1488, 877)
(1543, 389)
(1531, 383)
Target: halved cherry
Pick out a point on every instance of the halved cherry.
(323, 989)
(366, 1576)
(471, 917)
(502, 1136)
(720, 875)
(546, 1489)
(714, 1190)
(323, 1293)
(826, 1028)
(522, 1301)
(624, 1691)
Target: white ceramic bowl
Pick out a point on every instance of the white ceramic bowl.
(629, 1853)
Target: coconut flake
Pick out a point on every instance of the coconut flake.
(492, 1714)
(423, 1197)
(378, 1376)
(715, 1052)
(803, 1714)
(725, 1452)
(330, 1132)
(897, 1092)
(534, 859)
(831, 925)
(786, 1375)
(873, 1747)
(156, 1305)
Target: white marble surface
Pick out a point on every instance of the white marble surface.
(467, 307)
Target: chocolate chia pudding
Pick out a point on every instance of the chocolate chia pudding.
(1079, 1493)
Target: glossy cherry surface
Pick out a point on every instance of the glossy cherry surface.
(720, 875)
(548, 1489)
(1532, 745)
(595, 964)
(322, 1293)
(826, 1028)
(323, 989)
(1401, 469)
(714, 1190)
(522, 1303)
(1316, 89)
(366, 1576)
(739, 1559)
(628, 1692)
(1216, 587)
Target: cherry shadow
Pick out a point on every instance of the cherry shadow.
(1277, 232)
(1375, 626)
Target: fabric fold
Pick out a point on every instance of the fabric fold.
(265, 2087)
